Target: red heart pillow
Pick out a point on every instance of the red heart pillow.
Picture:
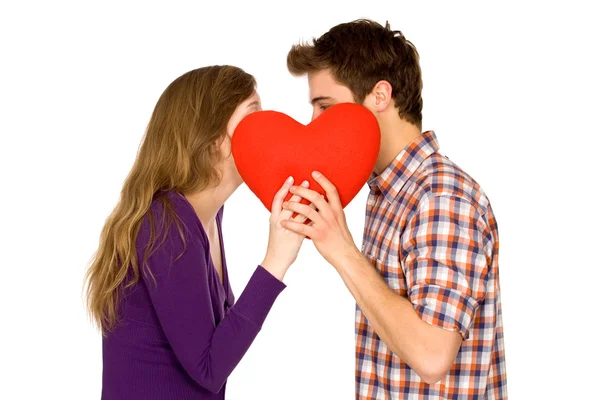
(342, 144)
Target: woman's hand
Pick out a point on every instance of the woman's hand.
(284, 244)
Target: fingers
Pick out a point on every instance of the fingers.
(304, 210)
(330, 190)
(300, 228)
(312, 196)
(280, 196)
(300, 217)
(327, 209)
(286, 214)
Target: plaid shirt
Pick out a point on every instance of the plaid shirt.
(431, 234)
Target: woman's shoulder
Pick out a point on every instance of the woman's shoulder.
(171, 202)
(170, 213)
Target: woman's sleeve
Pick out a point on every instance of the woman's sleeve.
(180, 294)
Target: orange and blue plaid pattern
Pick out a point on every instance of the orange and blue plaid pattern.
(431, 234)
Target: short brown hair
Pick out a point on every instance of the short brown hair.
(360, 54)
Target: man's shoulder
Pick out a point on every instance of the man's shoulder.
(439, 176)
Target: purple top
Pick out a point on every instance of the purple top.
(181, 337)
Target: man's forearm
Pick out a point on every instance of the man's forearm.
(422, 346)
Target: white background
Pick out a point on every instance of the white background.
(510, 89)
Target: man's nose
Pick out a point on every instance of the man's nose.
(315, 114)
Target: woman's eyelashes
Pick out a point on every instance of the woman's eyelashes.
(253, 109)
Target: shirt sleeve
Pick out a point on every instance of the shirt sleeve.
(179, 290)
(445, 261)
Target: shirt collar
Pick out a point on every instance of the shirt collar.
(398, 172)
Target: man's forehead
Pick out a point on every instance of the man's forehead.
(321, 88)
(321, 78)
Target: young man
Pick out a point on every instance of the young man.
(428, 319)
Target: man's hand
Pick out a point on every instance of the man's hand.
(427, 349)
(328, 229)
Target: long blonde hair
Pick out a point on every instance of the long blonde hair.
(178, 152)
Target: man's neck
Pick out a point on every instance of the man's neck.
(396, 134)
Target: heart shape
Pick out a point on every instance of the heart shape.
(342, 144)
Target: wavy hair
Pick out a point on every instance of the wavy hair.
(179, 152)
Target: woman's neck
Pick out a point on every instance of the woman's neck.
(209, 201)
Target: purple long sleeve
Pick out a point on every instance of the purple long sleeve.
(197, 332)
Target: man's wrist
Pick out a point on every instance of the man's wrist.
(348, 260)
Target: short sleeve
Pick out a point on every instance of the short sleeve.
(445, 262)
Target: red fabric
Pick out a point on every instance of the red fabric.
(342, 144)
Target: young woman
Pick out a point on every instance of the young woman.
(158, 285)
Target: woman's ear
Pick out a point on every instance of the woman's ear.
(380, 97)
(223, 145)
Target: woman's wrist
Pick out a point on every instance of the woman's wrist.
(274, 267)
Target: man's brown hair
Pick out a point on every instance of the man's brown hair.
(361, 53)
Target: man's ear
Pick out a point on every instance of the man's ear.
(380, 97)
